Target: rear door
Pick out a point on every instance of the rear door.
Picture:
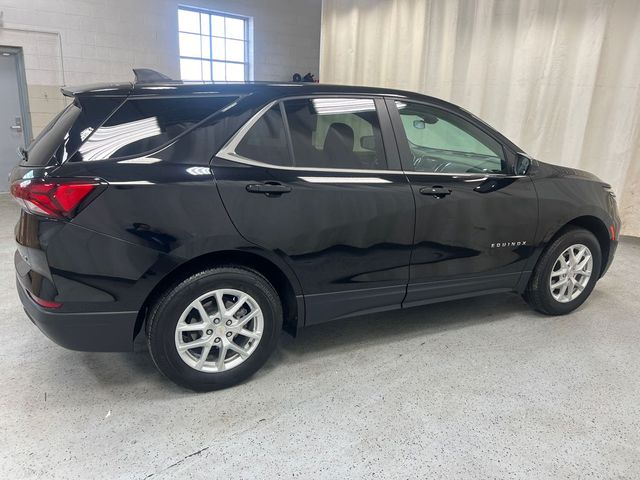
(475, 219)
(328, 195)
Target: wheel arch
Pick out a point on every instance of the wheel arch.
(594, 225)
(287, 288)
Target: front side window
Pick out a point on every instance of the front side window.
(213, 46)
(441, 142)
(335, 133)
(140, 126)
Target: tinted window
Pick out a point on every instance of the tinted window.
(266, 140)
(61, 138)
(140, 126)
(443, 142)
(49, 145)
(335, 133)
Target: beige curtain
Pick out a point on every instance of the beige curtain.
(561, 78)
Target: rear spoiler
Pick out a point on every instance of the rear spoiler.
(99, 88)
(141, 75)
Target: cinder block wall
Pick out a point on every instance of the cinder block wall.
(87, 41)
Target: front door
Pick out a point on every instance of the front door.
(11, 120)
(475, 220)
(328, 195)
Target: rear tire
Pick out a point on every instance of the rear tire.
(226, 351)
(559, 283)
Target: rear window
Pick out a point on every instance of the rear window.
(141, 126)
(65, 133)
(52, 139)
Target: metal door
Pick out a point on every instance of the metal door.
(12, 127)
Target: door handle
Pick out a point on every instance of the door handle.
(435, 191)
(17, 124)
(270, 189)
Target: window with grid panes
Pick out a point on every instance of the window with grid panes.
(213, 46)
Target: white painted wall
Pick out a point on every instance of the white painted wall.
(87, 41)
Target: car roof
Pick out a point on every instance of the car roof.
(149, 82)
(193, 88)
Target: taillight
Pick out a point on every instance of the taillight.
(53, 197)
(44, 303)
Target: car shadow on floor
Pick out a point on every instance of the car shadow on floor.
(381, 328)
(353, 333)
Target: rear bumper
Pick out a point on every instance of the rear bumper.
(89, 332)
(612, 252)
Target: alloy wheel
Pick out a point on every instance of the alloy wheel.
(219, 330)
(571, 273)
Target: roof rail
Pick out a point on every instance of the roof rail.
(147, 75)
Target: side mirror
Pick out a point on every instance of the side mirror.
(522, 164)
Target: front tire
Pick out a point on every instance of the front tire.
(215, 328)
(566, 273)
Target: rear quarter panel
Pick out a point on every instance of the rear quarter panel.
(172, 212)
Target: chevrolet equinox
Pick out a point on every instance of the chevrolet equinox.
(209, 217)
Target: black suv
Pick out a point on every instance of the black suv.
(211, 216)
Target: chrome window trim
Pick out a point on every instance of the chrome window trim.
(227, 152)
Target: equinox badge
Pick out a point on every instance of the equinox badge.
(508, 244)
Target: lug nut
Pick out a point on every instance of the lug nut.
(217, 340)
(216, 320)
(228, 322)
(229, 334)
(209, 332)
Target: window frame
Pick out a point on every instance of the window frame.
(405, 151)
(227, 152)
(247, 42)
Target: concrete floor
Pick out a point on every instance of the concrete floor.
(482, 388)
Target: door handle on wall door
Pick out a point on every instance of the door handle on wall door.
(17, 125)
(435, 191)
(270, 189)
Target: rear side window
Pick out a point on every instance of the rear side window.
(140, 126)
(339, 133)
(266, 140)
(335, 133)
